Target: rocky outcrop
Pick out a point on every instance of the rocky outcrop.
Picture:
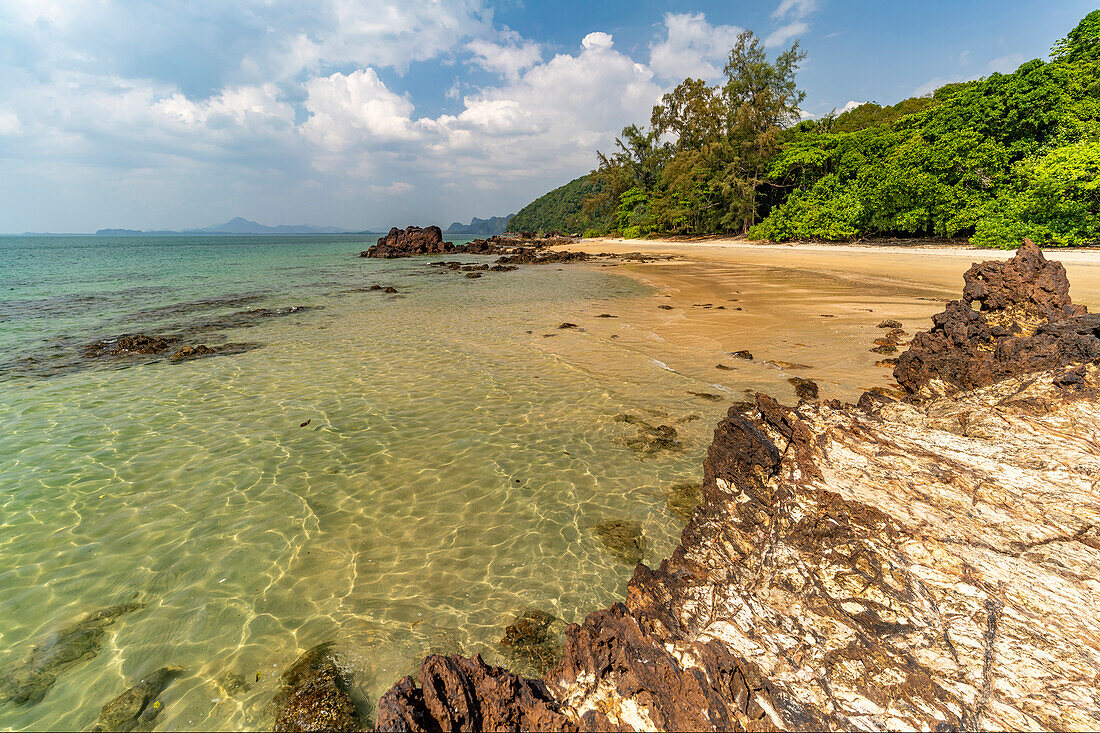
(931, 563)
(1015, 317)
(408, 242)
(459, 694)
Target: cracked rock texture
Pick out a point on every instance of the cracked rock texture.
(928, 564)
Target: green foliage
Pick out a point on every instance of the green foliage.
(559, 210)
(997, 159)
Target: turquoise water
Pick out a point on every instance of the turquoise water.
(460, 446)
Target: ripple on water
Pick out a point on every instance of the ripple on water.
(447, 480)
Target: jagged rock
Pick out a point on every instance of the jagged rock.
(1025, 321)
(930, 564)
(32, 678)
(461, 694)
(747, 356)
(137, 708)
(408, 242)
(622, 538)
(314, 695)
(534, 256)
(890, 323)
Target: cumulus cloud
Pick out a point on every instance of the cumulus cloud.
(508, 57)
(278, 104)
(692, 47)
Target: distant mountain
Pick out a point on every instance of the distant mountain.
(236, 225)
(239, 225)
(480, 227)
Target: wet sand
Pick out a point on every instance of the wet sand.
(802, 310)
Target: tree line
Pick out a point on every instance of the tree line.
(993, 160)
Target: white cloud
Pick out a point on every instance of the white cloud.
(508, 58)
(794, 9)
(355, 109)
(781, 35)
(692, 47)
(850, 105)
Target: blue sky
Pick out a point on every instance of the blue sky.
(372, 113)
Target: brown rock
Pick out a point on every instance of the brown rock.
(412, 241)
(1025, 321)
(314, 695)
(460, 694)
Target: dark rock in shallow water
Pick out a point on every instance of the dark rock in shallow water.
(683, 498)
(806, 389)
(408, 242)
(461, 694)
(622, 538)
(137, 708)
(747, 356)
(32, 678)
(473, 275)
(530, 640)
(890, 323)
(134, 343)
(1025, 322)
(650, 438)
(568, 325)
(188, 353)
(314, 695)
(390, 289)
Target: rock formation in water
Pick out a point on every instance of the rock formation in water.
(137, 708)
(32, 678)
(931, 564)
(1015, 317)
(408, 242)
(314, 695)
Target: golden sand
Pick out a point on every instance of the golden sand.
(801, 310)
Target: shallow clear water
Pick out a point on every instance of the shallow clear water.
(447, 480)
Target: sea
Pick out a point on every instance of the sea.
(398, 473)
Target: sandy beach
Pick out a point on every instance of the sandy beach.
(802, 310)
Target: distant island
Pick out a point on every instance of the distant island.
(481, 227)
(240, 225)
(236, 225)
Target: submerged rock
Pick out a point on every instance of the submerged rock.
(747, 356)
(531, 640)
(622, 538)
(188, 353)
(32, 678)
(650, 438)
(683, 498)
(137, 708)
(134, 343)
(314, 695)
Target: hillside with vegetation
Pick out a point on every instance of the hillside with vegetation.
(559, 210)
(993, 160)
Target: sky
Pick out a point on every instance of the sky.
(366, 114)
